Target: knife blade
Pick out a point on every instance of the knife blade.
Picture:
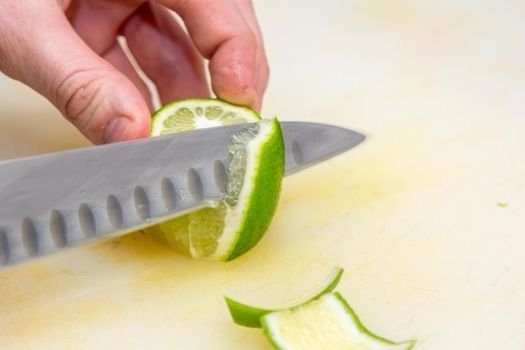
(64, 199)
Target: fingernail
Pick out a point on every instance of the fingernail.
(116, 129)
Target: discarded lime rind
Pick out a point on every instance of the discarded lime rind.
(333, 325)
(250, 316)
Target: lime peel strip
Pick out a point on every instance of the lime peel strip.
(250, 316)
(410, 343)
(361, 337)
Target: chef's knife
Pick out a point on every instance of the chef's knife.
(64, 199)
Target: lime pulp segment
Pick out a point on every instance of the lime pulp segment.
(193, 114)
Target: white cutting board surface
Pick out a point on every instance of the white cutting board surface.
(412, 215)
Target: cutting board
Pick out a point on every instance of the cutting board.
(426, 217)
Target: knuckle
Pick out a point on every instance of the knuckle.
(78, 95)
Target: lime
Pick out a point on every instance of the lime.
(324, 324)
(250, 316)
(236, 223)
(199, 113)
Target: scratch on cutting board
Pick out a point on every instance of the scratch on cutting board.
(499, 276)
(395, 242)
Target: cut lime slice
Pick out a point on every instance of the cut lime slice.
(234, 225)
(324, 324)
(250, 316)
(198, 113)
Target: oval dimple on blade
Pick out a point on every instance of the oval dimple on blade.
(195, 185)
(142, 203)
(307, 144)
(169, 195)
(297, 153)
(114, 212)
(29, 237)
(4, 248)
(220, 175)
(58, 228)
(87, 220)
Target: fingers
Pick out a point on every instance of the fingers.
(98, 23)
(231, 39)
(53, 60)
(263, 70)
(222, 35)
(165, 54)
(101, 101)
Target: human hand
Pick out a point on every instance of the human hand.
(67, 50)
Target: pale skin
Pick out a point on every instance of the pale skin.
(67, 50)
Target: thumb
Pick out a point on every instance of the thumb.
(99, 100)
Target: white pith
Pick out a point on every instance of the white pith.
(235, 215)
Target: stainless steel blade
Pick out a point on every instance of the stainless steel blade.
(307, 144)
(64, 199)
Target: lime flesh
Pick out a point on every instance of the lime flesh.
(198, 113)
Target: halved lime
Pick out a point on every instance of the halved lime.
(249, 316)
(324, 324)
(239, 221)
